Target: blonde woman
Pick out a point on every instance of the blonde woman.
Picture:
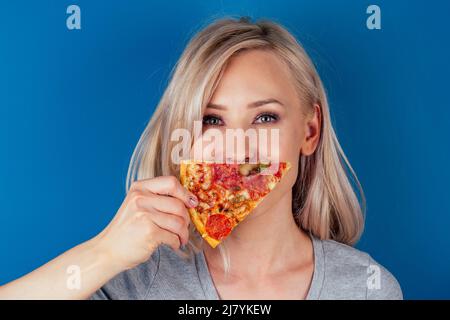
(296, 245)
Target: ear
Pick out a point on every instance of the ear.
(312, 130)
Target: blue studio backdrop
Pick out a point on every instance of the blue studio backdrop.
(73, 103)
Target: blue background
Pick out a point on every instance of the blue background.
(73, 104)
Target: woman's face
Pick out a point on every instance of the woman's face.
(257, 92)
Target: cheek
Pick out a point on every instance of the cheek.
(291, 139)
(290, 143)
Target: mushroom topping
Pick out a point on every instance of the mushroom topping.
(246, 168)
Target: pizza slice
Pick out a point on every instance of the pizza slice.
(227, 193)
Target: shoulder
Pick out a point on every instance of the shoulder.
(353, 274)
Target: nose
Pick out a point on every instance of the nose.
(230, 146)
(235, 159)
(241, 149)
(226, 148)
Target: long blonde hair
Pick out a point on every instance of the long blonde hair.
(324, 201)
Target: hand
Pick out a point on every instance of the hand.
(154, 212)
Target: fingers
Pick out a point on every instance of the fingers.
(169, 238)
(172, 223)
(165, 200)
(151, 202)
(169, 186)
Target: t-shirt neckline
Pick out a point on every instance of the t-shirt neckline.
(314, 289)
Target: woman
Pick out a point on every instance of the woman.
(295, 245)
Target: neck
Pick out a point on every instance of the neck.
(270, 239)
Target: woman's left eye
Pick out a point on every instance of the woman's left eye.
(266, 118)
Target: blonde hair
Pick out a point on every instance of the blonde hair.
(324, 201)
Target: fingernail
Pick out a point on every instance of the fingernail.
(193, 201)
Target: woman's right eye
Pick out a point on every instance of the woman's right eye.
(211, 120)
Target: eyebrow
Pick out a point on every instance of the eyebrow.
(254, 104)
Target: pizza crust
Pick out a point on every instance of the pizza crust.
(194, 215)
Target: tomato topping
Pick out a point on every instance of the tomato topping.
(281, 167)
(218, 226)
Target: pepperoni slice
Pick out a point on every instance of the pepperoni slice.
(226, 175)
(218, 226)
(256, 186)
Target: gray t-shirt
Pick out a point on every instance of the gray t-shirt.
(340, 272)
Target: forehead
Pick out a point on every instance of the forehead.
(252, 75)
